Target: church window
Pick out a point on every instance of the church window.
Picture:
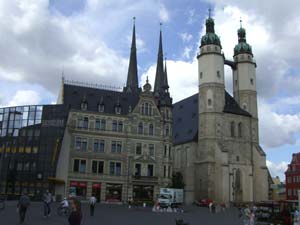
(240, 127)
(232, 129)
(218, 74)
(237, 158)
(140, 128)
(251, 81)
(209, 102)
(201, 75)
(151, 130)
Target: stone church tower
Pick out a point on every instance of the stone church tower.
(221, 158)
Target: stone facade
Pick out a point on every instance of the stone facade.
(149, 146)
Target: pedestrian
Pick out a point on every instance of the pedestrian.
(23, 205)
(252, 218)
(47, 199)
(296, 217)
(76, 215)
(129, 202)
(247, 213)
(92, 204)
(210, 206)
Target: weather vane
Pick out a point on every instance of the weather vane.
(241, 22)
(209, 12)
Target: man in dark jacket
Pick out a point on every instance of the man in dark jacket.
(23, 205)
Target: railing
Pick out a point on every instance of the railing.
(91, 85)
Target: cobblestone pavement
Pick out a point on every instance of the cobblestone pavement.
(121, 215)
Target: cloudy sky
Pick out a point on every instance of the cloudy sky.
(89, 40)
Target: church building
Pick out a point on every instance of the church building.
(215, 135)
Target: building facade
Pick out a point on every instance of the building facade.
(29, 145)
(292, 178)
(117, 144)
(216, 135)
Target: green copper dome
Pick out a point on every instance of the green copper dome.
(210, 38)
(242, 46)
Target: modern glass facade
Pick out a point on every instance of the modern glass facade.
(29, 146)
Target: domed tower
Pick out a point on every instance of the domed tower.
(211, 105)
(244, 77)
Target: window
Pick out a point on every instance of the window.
(146, 109)
(236, 82)
(165, 171)
(201, 75)
(116, 146)
(138, 169)
(151, 150)
(150, 170)
(240, 129)
(79, 165)
(101, 107)
(167, 131)
(237, 158)
(115, 168)
(169, 171)
(289, 192)
(100, 124)
(232, 129)
(140, 128)
(209, 102)
(99, 145)
(118, 109)
(83, 123)
(97, 167)
(84, 105)
(115, 125)
(120, 126)
(251, 81)
(218, 74)
(151, 130)
(170, 155)
(166, 151)
(80, 144)
(138, 149)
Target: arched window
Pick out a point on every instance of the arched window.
(232, 129)
(167, 131)
(209, 102)
(240, 130)
(140, 128)
(146, 109)
(151, 130)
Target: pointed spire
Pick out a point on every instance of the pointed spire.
(132, 77)
(165, 80)
(160, 66)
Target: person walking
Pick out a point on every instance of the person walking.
(47, 199)
(296, 217)
(247, 213)
(93, 201)
(76, 215)
(23, 204)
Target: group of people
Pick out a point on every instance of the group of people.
(75, 216)
(247, 214)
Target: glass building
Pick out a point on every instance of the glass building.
(29, 146)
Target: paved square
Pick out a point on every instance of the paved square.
(121, 215)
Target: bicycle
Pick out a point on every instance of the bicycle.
(63, 211)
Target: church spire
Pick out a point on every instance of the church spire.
(132, 77)
(165, 84)
(159, 77)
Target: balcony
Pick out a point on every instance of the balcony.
(144, 179)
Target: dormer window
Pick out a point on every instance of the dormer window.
(100, 107)
(84, 105)
(118, 109)
(146, 109)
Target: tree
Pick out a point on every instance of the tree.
(177, 181)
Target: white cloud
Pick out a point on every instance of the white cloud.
(25, 97)
(187, 52)
(191, 16)
(277, 129)
(277, 169)
(186, 37)
(163, 13)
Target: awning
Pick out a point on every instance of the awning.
(56, 180)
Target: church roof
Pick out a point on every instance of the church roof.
(185, 117)
(74, 95)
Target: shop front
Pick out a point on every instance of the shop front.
(78, 189)
(113, 192)
(96, 191)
